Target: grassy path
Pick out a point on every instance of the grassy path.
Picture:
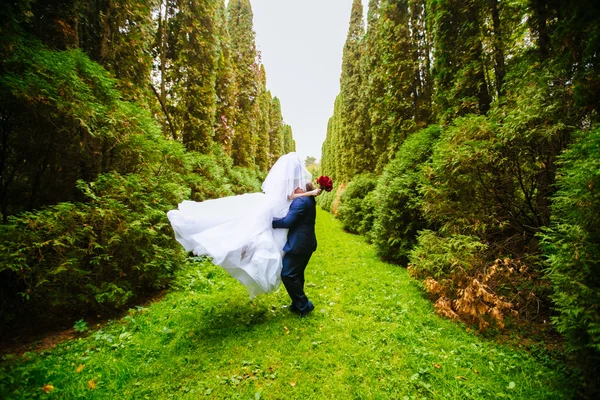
(373, 335)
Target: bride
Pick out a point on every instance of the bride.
(236, 231)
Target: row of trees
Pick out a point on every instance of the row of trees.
(476, 118)
(86, 172)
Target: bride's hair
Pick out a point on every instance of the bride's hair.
(310, 187)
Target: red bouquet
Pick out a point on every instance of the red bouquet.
(325, 183)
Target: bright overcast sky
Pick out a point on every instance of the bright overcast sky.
(301, 43)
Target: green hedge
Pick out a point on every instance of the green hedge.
(572, 244)
(398, 214)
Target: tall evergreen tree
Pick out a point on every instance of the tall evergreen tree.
(289, 144)
(460, 83)
(263, 123)
(246, 72)
(355, 140)
(275, 131)
(394, 78)
(194, 72)
(225, 84)
(421, 42)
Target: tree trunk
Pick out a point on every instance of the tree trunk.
(540, 17)
(498, 49)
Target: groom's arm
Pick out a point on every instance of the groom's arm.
(295, 212)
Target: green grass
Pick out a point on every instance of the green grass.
(373, 335)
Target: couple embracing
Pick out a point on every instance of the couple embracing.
(261, 239)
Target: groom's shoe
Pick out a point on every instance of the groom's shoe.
(294, 309)
(303, 313)
(308, 310)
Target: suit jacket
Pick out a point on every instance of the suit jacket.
(300, 220)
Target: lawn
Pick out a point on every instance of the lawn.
(373, 335)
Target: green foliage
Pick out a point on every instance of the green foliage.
(63, 120)
(355, 143)
(458, 67)
(245, 141)
(276, 140)
(263, 124)
(398, 214)
(442, 257)
(572, 244)
(356, 206)
(225, 88)
(491, 176)
(393, 103)
(80, 326)
(289, 145)
(75, 257)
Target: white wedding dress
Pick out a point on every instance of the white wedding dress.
(236, 230)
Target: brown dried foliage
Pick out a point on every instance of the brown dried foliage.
(475, 298)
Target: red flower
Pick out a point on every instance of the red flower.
(325, 183)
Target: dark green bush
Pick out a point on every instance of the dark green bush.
(491, 175)
(355, 209)
(398, 212)
(76, 257)
(572, 244)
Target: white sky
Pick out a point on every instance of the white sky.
(301, 43)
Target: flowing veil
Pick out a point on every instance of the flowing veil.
(236, 230)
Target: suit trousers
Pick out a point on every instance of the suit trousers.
(292, 276)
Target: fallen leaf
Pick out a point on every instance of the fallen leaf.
(461, 378)
(47, 388)
(80, 368)
(437, 366)
(92, 384)
(292, 383)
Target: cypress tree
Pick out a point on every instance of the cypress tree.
(263, 128)
(194, 73)
(354, 139)
(246, 72)
(289, 144)
(421, 41)
(225, 84)
(460, 82)
(393, 81)
(275, 131)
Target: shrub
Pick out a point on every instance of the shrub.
(398, 201)
(76, 257)
(461, 284)
(572, 244)
(355, 210)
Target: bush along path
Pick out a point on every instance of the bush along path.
(373, 335)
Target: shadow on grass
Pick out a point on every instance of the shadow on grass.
(229, 318)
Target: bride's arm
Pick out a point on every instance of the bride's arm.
(315, 192)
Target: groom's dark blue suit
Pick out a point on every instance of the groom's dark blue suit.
(301, 243)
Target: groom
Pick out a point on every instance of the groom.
(301, 243)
